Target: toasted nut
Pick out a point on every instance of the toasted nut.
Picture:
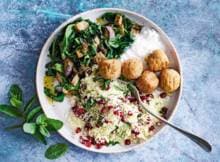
(157, 60)
(79, 54)
(132, 68)
(82, 25)
(147, 82)
(75, 80)
(169, 80)
(110, 69)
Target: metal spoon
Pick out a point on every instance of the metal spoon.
(198, 140)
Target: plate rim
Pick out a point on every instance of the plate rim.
(159, 29)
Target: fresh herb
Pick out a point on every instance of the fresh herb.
(56, 150)
(89, 103)
(112, 143)
(15, 96)
(105, 83)
(123, 88)
(31, 119)
(55, 96)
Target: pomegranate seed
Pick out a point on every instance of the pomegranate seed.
(88, 126)
(163, 95)
(127, 142)
(78, 129)
(143, 98)
(151, 128)
(98, 146)
(87, 143)
(101, 102)
(104, 110)
(130, 113)
(131, 98)
(135, 132)
(78, 111)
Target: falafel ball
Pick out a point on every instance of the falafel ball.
(110, 69)
(157, 60)
(132, 68)
(169, 80)
(147, 82)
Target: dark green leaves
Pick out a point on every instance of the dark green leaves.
(59, 97)
(56, 150)
(33, 113)
(89, 103)
(10, 111)
(53, 124)
(15, 95)
(105, 83)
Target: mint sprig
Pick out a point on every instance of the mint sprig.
(32, 120)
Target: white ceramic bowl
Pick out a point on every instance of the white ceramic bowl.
(60, 110)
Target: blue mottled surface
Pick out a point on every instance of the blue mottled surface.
(194, 27)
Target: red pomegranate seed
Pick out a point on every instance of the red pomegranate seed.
(130, 113)
(151, 128)
(104, 110)
(87, 143)
(163, 95)
(78, 111)
(88, 126)
(98, 146)
(135, 132)
(131, 98)
(78, 129)
(143, 98)
(127, 142)
(101, 102)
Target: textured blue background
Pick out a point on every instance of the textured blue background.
(193, 26)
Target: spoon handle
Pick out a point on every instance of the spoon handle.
(198, 140)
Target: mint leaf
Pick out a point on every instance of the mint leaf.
(15, 102)
(29, 104)
(53, 124)
(41, 119)
(43, 130)
(10, 111)
(56, 150)
(33, 113)
(29, 128)
(40, 137)
(15, 95)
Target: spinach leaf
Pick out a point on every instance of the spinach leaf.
(29, 128)
(59, 97)
(10, 111)
(56, 150)
(15, 96)
(112, 143)
(58, 67)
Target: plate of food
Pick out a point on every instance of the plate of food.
(79, 72)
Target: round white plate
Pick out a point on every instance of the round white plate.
(60, 110)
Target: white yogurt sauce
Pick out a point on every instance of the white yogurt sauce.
(144, 43)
